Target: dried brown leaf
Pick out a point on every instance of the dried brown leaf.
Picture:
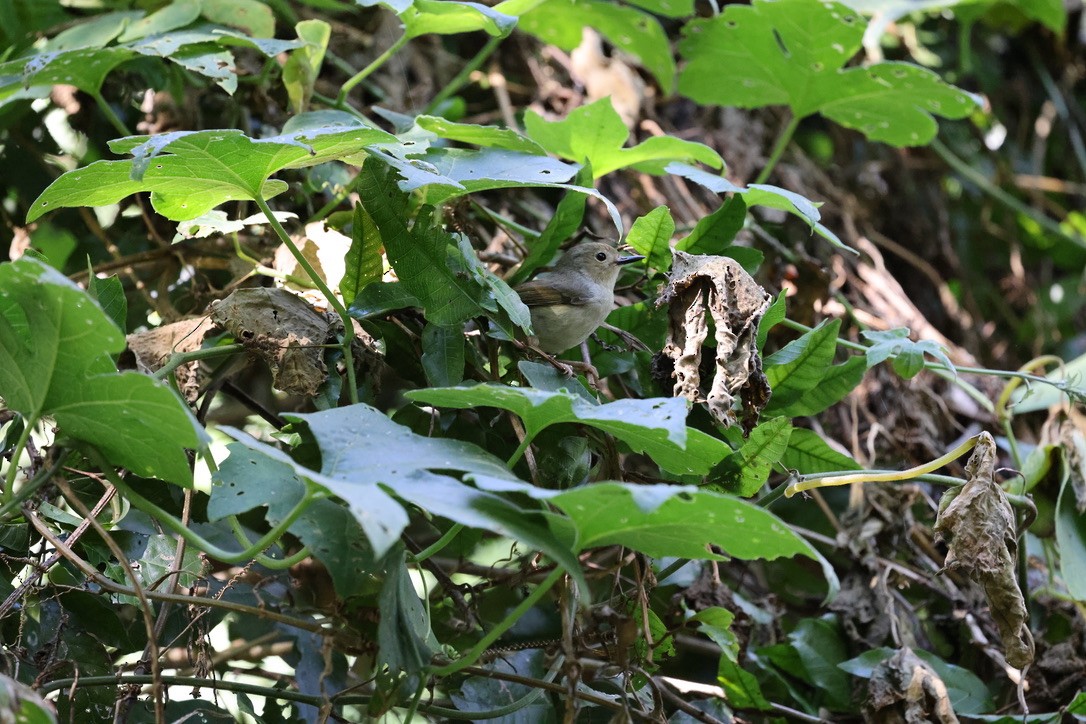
(978, 522)
(283, 330)
(716, 287)
(153, 347)
(904, 688)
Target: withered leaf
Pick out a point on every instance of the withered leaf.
(978, 523)
(904, 688)
(703, 287)
(153, 347)
(283, 330)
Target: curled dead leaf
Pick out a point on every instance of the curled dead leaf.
(703, 287)
(904, 688)
(978, 522)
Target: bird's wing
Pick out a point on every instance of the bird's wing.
(545, 291)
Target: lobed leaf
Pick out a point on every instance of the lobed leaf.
(792, 52)
(656, 427)
(55, 360)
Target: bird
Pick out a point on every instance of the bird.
(569, 302)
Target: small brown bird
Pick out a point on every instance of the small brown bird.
(571, 301)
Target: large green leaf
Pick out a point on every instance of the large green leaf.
(247, 479)
(793, 52)
(836, 383)
(365, 455)
(808, 453)
(561, 22)
(968, 693)
(191, 172)
(656, 427)
(595, 133)
(56, 347)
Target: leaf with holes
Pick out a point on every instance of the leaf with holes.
(656, 427)
(191, 172)
(793, 52)
(562, 22)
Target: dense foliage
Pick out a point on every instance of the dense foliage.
(275, 447)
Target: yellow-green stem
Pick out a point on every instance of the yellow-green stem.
(887, 477)
(361, 75)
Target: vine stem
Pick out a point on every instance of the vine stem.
(179, 528)
(113, 118)
(333, 300)
(361, 75)
(13, 467)
(177, 359)
(868, 476)
(783, 140)
(31, 487)
(495, 633)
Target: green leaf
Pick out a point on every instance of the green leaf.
(715, 622)
(406, 642)
(190, 173)
(488, 136)
(763, 195)
(363, 454)
(109, 293)
(907, 356)
(670, 520)
(251, 16)
(715, 232)
(443, 354)
(801, 364)
(171, 17)
(380, 298)
(656, 427)
(741, 686)
(836, 383)
(508, 310)
(560, 22)
(419, 255)
(248, 479)
(304, 64)
(651, 235)
(808, 453)
(746, 471)
(821, 649)
(55, 360)
(1070, 534)
(792, 52)
(772, 317)
(362, 264)
(595, 133)
(667, 8)
(566, 220)
(968, 694)
(446, 17)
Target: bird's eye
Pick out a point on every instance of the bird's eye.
(601, 256)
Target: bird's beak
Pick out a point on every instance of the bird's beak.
(629, 259)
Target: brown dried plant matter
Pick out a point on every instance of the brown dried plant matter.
(978, 522)
(716, 287)
(905, 689)
(289, 335)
